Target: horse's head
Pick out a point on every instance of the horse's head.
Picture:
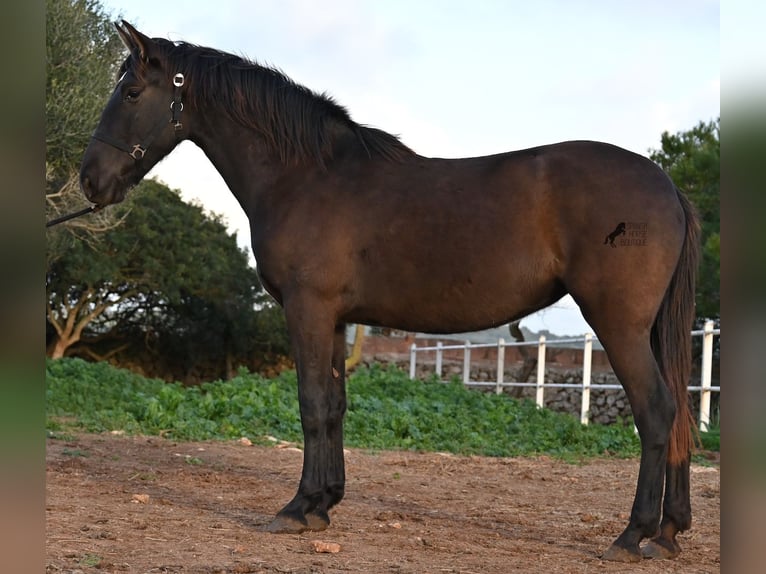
(141, 123)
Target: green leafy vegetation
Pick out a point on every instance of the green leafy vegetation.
(385, 411)
(711, 440)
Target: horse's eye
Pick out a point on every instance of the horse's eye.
(132, 95)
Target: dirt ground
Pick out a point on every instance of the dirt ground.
(150, 505)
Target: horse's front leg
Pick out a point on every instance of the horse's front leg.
(319, 348)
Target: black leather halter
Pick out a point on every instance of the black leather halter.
(137, 151)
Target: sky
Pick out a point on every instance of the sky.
(463, 78)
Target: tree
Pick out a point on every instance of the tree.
(82, 56)
(692, 159)
(83, 53)
(170, 275)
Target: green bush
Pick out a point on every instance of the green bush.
(386, 410)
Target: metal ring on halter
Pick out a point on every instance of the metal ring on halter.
(137, 152)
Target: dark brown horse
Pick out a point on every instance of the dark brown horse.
(350, 225)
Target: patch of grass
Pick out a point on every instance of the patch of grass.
(386, 410)
(92, 560)
(143, 476)
(711, 439)
(61, 435)
(97, 397)
(75, 452)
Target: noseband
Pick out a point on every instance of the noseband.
(137, 151)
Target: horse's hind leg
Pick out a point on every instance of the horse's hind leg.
(676, 512)
(653, 412)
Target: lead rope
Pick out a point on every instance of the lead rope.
(63, 218)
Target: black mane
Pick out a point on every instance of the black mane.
(294, 120)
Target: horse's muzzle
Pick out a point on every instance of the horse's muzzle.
(99, 194)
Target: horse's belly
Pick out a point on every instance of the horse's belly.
(454, 304)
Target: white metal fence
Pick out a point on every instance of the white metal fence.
(705, 388)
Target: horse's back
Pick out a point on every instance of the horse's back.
(560, 199)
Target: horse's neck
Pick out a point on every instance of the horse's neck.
(240, 156)
(249, 165)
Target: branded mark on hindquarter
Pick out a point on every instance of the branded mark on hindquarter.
(628, 234)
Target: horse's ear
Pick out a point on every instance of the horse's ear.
(134, 40)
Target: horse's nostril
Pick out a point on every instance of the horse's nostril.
(87, 187)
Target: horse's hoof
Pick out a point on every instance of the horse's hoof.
(619, 554)
(317, 521)
(286, 525)
(660, 548)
